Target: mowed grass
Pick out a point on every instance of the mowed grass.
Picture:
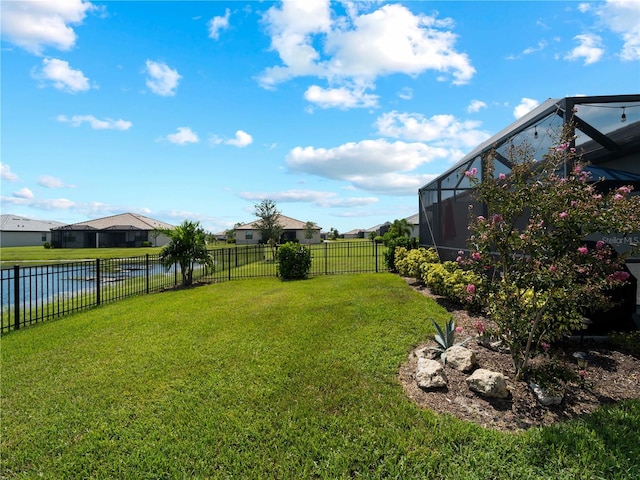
(263, 379)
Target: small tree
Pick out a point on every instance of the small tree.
(541, 275)
(269, 221)
(333, 234)
(294, 261)
(310, 229)
(187, 247)
(399, 228)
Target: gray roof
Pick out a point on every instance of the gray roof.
(16, 223)
(124, 221)
(414, 219)
(287, 223)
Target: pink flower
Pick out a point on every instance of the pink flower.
(597, 197)
(502, 176)
(545, 346)
(480, 327)
(459, 329)
(471, 288)
(617, 196)
(552, 268)
(619, 276)
(583, 250)
(600, 244)
(471, 173)
(624, 190)
(476, 255)
(563, 215)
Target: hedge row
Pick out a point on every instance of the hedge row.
(442, 278)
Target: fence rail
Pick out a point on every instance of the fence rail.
(39, 293)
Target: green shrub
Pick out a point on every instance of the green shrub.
(392, 244)
(294, 261)
(47, 245)
(408, 262)
(146, 243)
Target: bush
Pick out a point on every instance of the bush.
(47, 245)
(294, 261)
(146, 243)
(392, 244)
(408, 262)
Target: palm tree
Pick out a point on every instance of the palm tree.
(187, 247)
(400, 228)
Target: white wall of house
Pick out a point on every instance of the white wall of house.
(253, 237)
(24, 239)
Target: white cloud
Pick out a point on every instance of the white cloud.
(623, 17)
(393, 183)
(48, 181)
(241, 140)
(7, 174)
(589, 48)
(33, 25)
(444, 131)
(369, 164)
(162, 80)
(357, 49)
(406, 93)
(525, 106)
(23, 193)
(41, 204)
(584, 7)
(183, 136)
(341, 97)
(95, 123)
(62, 76)
(218, 23)
(475, 106)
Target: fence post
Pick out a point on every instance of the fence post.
(229, 261)
(16, 297)
(146, 266)
(97, 281)
(375, 249)
(325, 259)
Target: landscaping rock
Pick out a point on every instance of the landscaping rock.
(430, 374)
(544, 397)
(487, 383)
(461, 358)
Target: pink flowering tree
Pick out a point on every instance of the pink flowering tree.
(540, 276)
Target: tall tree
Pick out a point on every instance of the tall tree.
(187, 247)
(269, 221)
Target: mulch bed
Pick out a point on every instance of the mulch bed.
(612, 376)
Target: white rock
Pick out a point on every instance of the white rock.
(487, 383)
(461, 358)
(430, 374)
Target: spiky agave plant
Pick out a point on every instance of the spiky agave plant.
(445, 338)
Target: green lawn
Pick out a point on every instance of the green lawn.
(263, 379)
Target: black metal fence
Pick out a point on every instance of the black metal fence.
(35, 294)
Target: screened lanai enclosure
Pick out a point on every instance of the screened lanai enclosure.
(607, 135)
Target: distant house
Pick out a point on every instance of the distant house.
(414, 221)
(378, 230)
(124, 230)
(17, 231)
(249, 233)
(355, 233)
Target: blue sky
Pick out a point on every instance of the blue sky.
(338, 111)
